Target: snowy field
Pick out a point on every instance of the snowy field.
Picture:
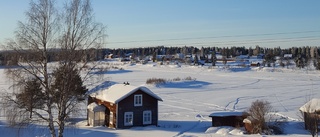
(187, 104)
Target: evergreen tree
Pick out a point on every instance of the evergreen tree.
(299, 60)
(224, 60)
(196, 60)
(256, 51)
(31, 96)
(202, 52)
(67, 84)
(316, 63)
(213, 58)
(250, 51)
(154, 57)
(269, 58)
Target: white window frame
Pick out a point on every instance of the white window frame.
(128, 118)
(147, 117)
(137, 100)
(111, 118)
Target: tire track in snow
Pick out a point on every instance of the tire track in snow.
(200, 119)
(236, 102)
(189, 105)
(194, 126)
(215, 89)
(191, 102)
(234, 105)
(242, 85)
(185, 108)
(280, 102)
(197, 123)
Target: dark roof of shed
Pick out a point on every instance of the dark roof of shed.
(226, 113)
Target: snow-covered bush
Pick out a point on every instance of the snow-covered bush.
(260, 119)
(156, 81)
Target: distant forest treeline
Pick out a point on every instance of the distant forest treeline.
(299, 54)
(306, 51)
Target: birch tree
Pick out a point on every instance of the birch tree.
(73, 34)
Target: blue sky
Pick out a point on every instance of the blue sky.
(143, 23)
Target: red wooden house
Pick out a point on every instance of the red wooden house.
(127, 106)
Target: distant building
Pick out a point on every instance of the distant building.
(242, 57)
(260, 56)
(287, 56)
(256, 63)
(179, 56)
(110, 56)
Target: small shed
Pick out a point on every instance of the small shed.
(311, 113)
(255, 64)
(228, 118)
(96, 114)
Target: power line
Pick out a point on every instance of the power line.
(255, 43)
(243, 42)
(259, 40)
(225, 36)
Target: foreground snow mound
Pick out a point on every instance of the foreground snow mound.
(224, 130)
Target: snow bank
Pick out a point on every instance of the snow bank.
(224, 130)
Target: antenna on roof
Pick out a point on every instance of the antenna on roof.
(126, 83)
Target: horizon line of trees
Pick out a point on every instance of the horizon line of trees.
(224, 51)
(302, 55)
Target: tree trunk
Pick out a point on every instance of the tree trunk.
(30, 114)
(62, 115)
(61, 128)
(51, 125)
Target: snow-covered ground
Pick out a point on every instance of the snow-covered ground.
(187, 104)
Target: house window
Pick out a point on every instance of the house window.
(128, 118)
(147, 117)
(138, 100)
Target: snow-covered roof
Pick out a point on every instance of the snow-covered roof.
(312, 106)
(287, 55)
(255, 61)
(118, 92)
(95, 107)
(226, 113)
(248, 120)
